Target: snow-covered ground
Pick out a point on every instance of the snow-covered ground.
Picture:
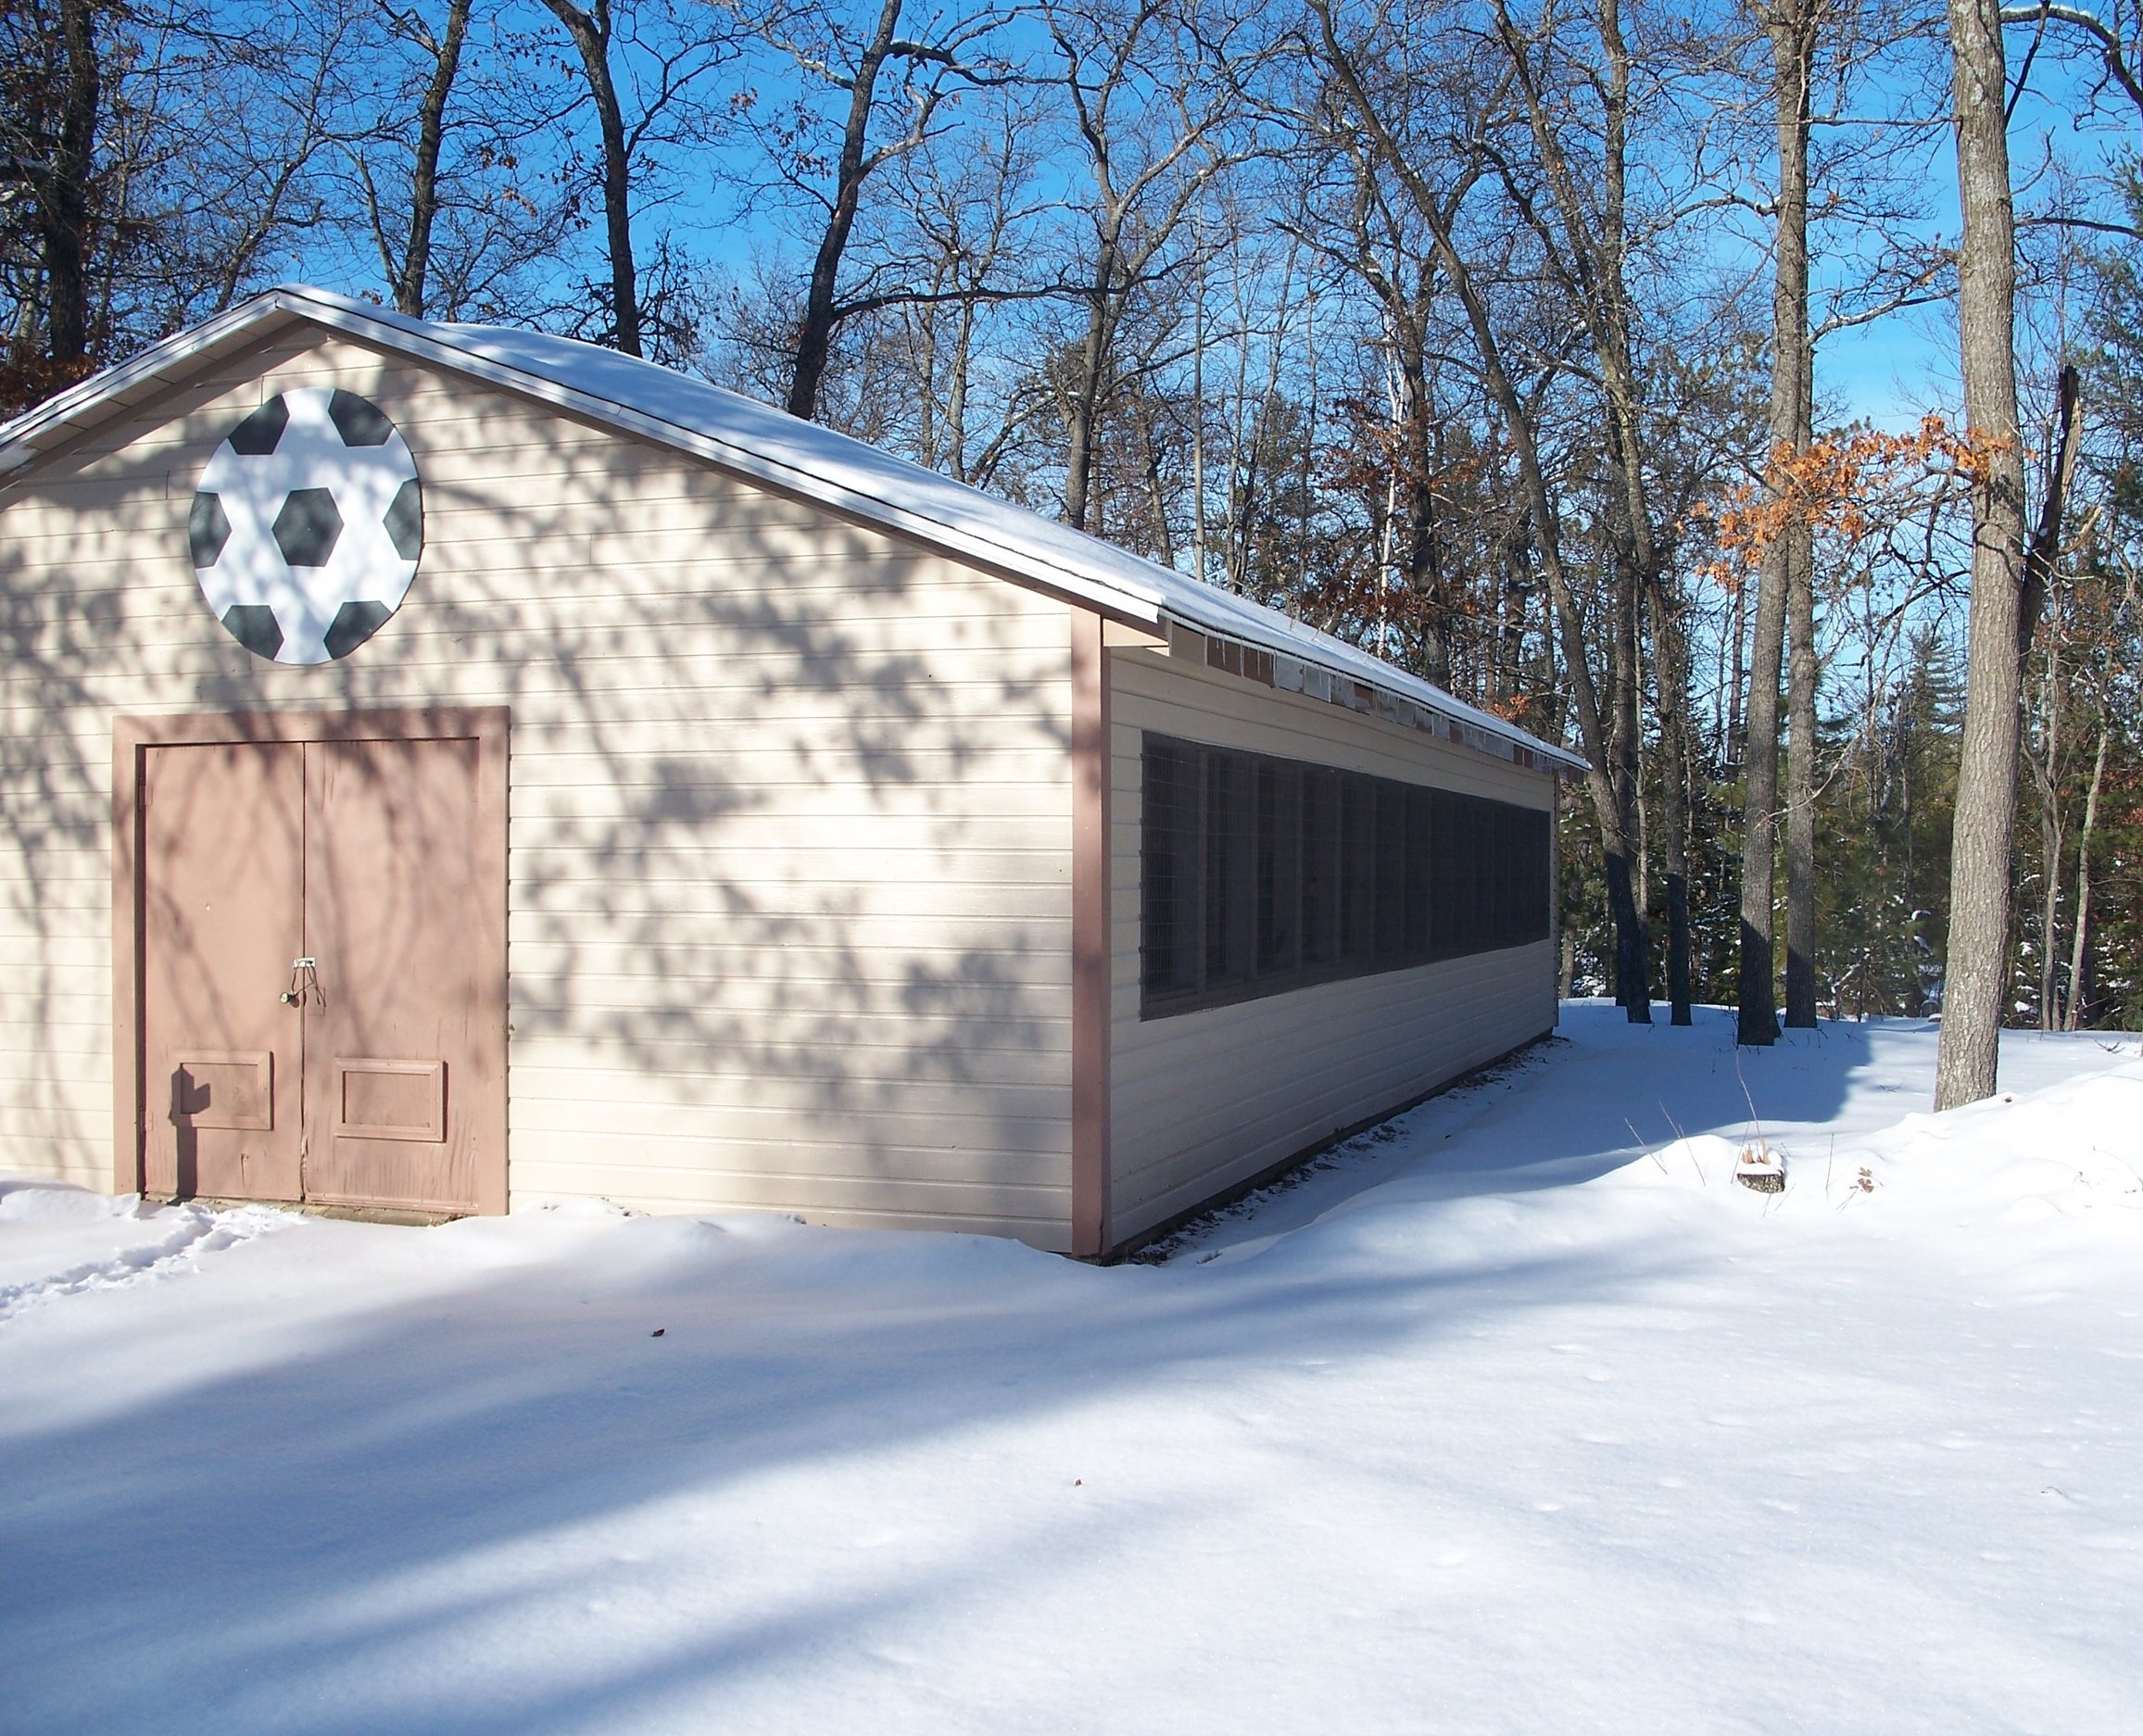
(1516, 1416)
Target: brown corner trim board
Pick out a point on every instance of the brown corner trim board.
(1090, 937)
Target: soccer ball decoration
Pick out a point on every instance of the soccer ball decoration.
(308, 524)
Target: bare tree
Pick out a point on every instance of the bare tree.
(1585, 226)
(2114, 43)
(1153, 128)
(467, 204)
(966, 232)
(60, 185)
(915, 78)
(590, 29)
(1365, 233)
(1976, 975)
(1380, 114)
(2118, 627)
(643, 64)
(160, 183)
(408, 273)
(2044, 748)
(1791, 27)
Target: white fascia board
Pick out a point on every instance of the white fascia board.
(19, 438)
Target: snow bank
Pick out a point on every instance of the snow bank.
(1514, 1416)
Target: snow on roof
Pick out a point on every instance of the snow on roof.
(767, 444)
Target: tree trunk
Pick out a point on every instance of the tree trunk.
(63, 212)
(425, 176)
(1086, 394)
(1758, 1007)
(1791, 30)
(2046, 543)
(1424, 564)
(2050, 843)
(815, 333)
(1802, 674)
(1670, 688)
(1164, 542)
(923, 326)
(1633, 953)
(956, 394)
(2046, 768)
(590, 31)
(1731, 748)
(1800, 970)
(2040, 560)
(1976, 972)
(2078, 1007)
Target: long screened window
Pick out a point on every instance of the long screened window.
(1261, 875)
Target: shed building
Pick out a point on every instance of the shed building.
(449, 766)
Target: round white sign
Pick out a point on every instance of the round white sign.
(306, 527)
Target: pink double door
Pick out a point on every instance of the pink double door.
(321, 972)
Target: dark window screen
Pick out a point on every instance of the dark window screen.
(1357, 867)
(1279, 850)
(1320, 866)
(1420, 864)
(1446, 899)
(1389, 925)
(1230, 865)
(1482, 932)
(1260, 874)
(1169, 870)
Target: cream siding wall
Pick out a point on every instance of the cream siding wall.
(1202, 1101)
(790, 903)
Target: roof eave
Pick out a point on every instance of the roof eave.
(23, 440)
(28, 437)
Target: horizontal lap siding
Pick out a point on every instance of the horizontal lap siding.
(1202, 1101)
(789, 896)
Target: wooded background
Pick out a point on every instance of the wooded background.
(1528, 344)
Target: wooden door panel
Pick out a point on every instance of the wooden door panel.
(390, 1099)
(225, 1091)
(222, 828)
(408, 1030)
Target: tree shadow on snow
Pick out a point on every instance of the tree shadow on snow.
(395, 1518)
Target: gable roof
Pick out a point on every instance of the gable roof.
(741, 435)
